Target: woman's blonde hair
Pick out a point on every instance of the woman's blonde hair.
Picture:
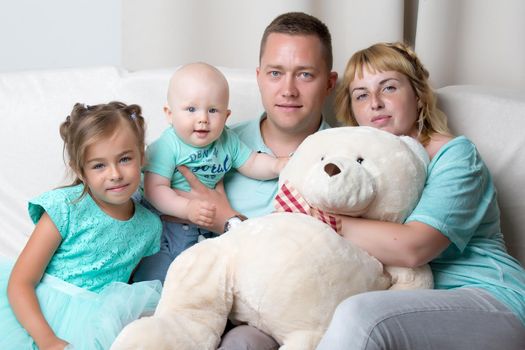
(401, 58)
(88, 124)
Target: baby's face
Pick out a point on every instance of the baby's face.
(198, 108)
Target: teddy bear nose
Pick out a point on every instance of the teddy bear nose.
(331, 169)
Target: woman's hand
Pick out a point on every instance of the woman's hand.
(216, 197)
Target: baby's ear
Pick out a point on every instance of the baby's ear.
(228, 112)
(168, 113)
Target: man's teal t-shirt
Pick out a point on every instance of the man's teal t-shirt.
(248, 196)
(459, 200)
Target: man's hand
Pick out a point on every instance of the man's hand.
(201, 213)
(216, 197)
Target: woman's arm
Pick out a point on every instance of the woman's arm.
(409, 245)
(26, 274)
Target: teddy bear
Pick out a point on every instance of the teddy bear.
(286, 272)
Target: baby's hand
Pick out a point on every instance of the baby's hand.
(201, 213)
(280, 164)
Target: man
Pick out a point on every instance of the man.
(294, 78)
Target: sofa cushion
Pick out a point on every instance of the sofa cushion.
(33, 104)
(148, 88)
(493, 119)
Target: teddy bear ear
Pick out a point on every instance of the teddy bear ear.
(417, 148)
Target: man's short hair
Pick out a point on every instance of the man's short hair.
(299, 23)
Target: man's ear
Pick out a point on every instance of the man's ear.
(257, 73)
(332, 81)
(167, 113)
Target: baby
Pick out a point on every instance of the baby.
(197, 110)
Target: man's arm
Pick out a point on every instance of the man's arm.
(217, 197)
(158, 191)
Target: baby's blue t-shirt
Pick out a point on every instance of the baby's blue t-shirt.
(459, 200)
(96, 249)
(208, 163)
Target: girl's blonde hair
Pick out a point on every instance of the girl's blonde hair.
(88, 124)
(401, 58)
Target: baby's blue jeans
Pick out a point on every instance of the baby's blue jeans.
(176, 238)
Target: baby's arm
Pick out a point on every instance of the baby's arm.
(26, 274)
(262, 166)
(158, 192)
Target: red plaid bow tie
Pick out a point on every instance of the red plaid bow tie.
(288, 199)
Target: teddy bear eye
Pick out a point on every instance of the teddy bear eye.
(359, 160)
(322, 158)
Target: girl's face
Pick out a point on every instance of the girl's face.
(385, 100)
(112, 171)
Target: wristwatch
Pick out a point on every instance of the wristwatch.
(233, 221)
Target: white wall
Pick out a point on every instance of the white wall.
(166, 33)
(460, 41)
(36, 34)
(477, 42)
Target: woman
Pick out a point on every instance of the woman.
(478, 298)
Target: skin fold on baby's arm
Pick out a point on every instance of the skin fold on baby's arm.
(262, 166)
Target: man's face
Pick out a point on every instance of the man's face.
(294, 82)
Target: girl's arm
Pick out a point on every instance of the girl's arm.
(158, 191)
(409, 245)
(262, 166)
(27, 272)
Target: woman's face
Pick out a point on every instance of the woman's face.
(385, 100)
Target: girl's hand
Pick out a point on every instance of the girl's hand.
(201, 212)
(55, 343)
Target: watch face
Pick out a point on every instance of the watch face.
(232, 222)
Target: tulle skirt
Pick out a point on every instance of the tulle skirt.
(85, 319)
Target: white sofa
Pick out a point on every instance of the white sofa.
(34, 103)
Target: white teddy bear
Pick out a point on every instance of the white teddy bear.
(285, 273)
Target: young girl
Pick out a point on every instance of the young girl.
(68, 286)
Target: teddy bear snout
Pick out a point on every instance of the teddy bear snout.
(331, 169)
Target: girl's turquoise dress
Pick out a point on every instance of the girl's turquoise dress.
(84, 294)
